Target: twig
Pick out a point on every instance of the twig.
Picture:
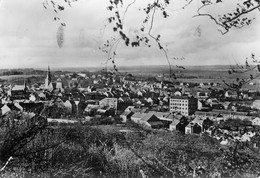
(7, 162)
(157, 40)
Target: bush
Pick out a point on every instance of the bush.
(85, 151)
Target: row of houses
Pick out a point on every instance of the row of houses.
(197, 123)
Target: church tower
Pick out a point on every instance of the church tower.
(48, 78)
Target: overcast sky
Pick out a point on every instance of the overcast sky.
(28, 37)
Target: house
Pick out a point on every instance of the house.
(31, 107)
(126, 115)
(207, 123)
(129, 108)
(179, 124)
(101, 111)
(32, 98)
(67, 104)
(165, 117)
(173, 125)
(58, 101)
(256, 104)
(210, 115)
(227, 104)
(224, 142)
(42, 96)
(137, 117)
(152, 121)
(18, 92)
(200, 105)
(82, 75)
(202, 95)
(59, 85)
(135, 110)
(109, 102)
(256, 121)
(150, 100)
(194, 126)
(147, 119)
(212, 101)
(5, 109)
(247, 136)
(91, 108)
(230, 94)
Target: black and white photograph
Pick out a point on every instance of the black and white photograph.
(130, 88)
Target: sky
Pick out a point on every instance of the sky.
(28, 36)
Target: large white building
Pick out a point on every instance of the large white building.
(183, 104)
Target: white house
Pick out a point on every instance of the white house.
(59, 84)
(139, 93)
(32, 98)
(126, 115)
(247, 136)
(68, 105)
(150, 100)
(200, 105)
(5, 109)
(224, 142)
(230, 94)
(174, 124)
(256, 121)
(137, 117)
(256, 104)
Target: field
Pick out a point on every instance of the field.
(14, 77)
(194, 74)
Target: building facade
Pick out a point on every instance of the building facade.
(48, 78)
(109, 102)
(183, 104)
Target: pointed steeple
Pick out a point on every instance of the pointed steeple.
(49, 74)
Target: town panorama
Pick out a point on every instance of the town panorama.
(130, 89)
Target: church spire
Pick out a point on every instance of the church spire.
(49, 75)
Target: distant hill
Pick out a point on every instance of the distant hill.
(26, 71)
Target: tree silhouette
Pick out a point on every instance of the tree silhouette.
(236, 17)
(252, 71)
